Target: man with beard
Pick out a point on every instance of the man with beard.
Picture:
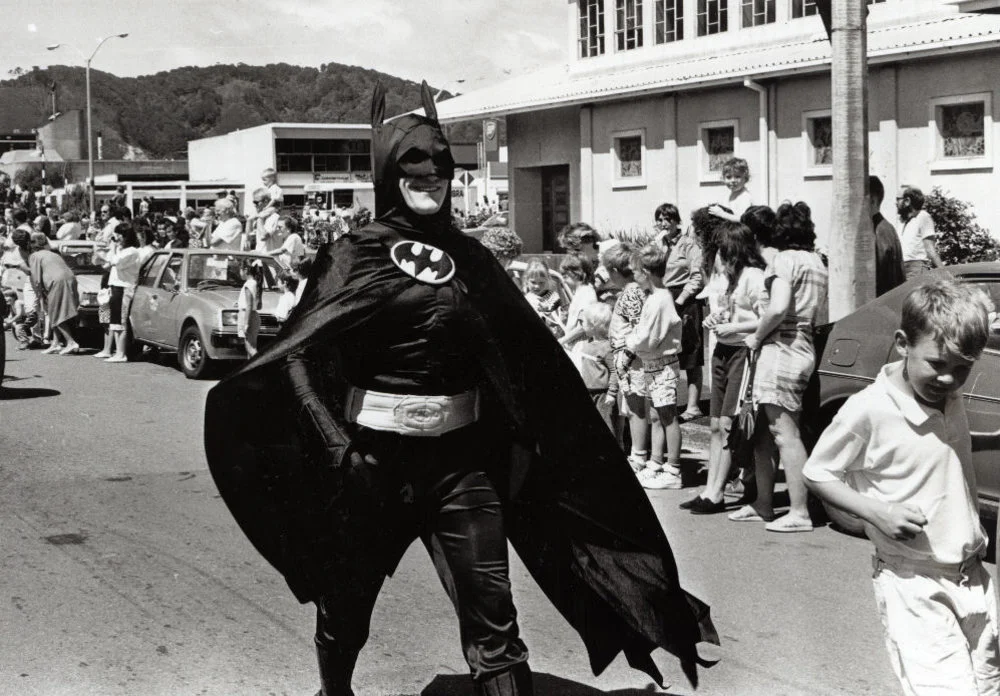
(408, 374)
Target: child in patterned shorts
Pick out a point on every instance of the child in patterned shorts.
(656, 340)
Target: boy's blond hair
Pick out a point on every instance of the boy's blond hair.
(956, 315)
(596, 319)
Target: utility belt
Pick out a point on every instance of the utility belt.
(406, 414)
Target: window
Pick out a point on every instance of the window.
(804, 8)
(757, 12)
(591, 28)
(152, 270)
(817, 142)
(960, 128)
(628, 158)
(717, 142)
(669, 20)
(172, 273)
(808, 8)
(322, 155)
(712, 17)
(628, 24)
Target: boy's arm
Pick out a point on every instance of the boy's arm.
(838, 451)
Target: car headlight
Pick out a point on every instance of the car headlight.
(88, 299)
(229, 317)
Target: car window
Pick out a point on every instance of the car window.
(151, 270)
(223, 270)
(80, 260)
(992, 288)
(171, 279)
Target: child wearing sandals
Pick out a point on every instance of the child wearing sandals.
(898, 455)
(656, 341)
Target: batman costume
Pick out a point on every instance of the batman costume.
(424, 397)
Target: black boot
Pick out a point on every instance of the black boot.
(335, 671)
(514, 682)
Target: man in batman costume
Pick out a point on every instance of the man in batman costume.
(426, 398)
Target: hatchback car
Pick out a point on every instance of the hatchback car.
(185, 301)
(858, 345)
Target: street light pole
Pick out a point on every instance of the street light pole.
(90, 126)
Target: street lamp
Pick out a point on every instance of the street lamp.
(90, 129)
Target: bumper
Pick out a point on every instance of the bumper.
(226, 345)
(86, 318)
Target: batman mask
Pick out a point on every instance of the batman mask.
(408, 146)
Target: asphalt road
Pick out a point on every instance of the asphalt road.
(124, 574)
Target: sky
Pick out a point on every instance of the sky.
(442, 41)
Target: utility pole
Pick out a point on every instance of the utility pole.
(852, 242)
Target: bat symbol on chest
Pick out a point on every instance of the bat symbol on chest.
(424, 262)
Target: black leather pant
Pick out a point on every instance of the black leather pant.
(434, 488)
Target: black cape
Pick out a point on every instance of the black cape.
(574, 510)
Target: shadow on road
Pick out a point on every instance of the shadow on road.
(461, 685)
(13, 394)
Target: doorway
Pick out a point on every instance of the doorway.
(555, 204)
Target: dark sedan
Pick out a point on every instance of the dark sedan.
(858, 345)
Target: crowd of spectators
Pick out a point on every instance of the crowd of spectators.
(746, 280)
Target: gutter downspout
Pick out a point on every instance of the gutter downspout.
(762, 134)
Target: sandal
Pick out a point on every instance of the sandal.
(786, 525)
(690, 416)
(748, 513)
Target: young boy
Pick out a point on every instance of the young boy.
(16, 318)
(624, 317)
(594, 359)
(898, 456)
(735, 174)
(656, 340)
(269, 180)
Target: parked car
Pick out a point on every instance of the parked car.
(497, 220)
(185, 301)
(79, 256)
(858, 345)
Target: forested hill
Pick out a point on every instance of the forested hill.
(153, 116)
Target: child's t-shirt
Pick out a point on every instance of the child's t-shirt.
(595, 361)
(625, 314)
(887, 446)
(658, 331)
(738, 203)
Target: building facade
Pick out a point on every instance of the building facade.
(328, 161)
(656, 94)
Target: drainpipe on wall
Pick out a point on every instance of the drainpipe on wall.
(762, 134)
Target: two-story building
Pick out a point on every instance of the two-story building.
(656, 94)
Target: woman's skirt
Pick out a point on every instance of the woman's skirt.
(784, 366)
(62, 300)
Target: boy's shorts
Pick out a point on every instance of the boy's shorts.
(940, 625)
(661, 381)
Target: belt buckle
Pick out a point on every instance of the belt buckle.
(418, 413)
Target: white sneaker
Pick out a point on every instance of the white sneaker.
(662, 480)
(650, 468)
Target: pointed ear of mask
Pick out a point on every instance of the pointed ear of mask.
(378, 105)
(430, 110)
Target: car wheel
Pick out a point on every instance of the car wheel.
(191, 354)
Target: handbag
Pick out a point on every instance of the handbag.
(741, 434)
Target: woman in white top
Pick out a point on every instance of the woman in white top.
(293, 249)
(578, 272)
(123, 255)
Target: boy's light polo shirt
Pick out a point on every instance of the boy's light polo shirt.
(887, 446)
